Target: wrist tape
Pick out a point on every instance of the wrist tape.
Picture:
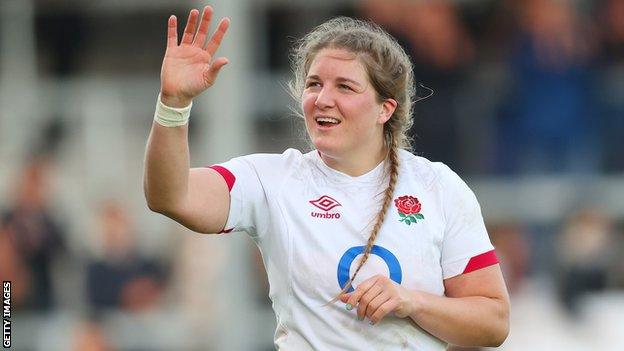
(168, 116)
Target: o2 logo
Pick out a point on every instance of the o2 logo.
(344, 266)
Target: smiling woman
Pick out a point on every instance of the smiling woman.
(343, 114)
(423, 272)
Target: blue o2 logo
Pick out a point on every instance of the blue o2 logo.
(344, 266)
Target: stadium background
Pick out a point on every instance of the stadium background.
(528, 108)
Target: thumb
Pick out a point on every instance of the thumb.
(215, 67)
(218, 63)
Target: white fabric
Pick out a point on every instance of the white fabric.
(302, 245)
(168, 116)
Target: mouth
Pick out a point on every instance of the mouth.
(326, 122)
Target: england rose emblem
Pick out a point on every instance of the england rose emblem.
(409, 209)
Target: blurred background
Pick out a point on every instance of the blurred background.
(528, 108)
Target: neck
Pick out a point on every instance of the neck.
(357, 163)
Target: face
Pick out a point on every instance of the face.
(342, 113)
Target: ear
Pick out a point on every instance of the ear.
(387, 109)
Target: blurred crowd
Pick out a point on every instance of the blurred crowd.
(538, 83)
(520, 87)
(33, 244)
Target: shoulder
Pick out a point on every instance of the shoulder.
(432, 175)
(271, 160)
(288, 154)
(428, 173)
(271, 169)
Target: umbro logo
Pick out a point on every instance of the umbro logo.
(325, 203)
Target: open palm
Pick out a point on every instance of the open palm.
(189, 68)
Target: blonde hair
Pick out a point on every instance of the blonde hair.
(390, 72)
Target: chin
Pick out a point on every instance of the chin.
(324, 146)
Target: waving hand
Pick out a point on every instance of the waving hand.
(189, 67)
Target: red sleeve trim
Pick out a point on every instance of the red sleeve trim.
(226, 174)
(481, 261)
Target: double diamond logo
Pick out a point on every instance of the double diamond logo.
(325, 203)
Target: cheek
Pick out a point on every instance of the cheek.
(364, 112)
(307, 103)
(307, 106)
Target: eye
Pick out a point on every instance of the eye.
(345, 87)
(312, 84)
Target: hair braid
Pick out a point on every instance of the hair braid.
(393, 155)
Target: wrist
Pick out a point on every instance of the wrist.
(417, 303)
(169, 116)
(174, 101)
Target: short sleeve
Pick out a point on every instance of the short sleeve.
(252, 181)
(466, 245)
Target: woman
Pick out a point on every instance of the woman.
(399, 240)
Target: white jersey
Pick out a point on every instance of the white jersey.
(312, 223)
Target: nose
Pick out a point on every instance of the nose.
(324, 99)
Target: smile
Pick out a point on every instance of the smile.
(324, 121)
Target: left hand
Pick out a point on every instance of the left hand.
(378, 296)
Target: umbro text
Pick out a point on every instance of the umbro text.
(326, 215)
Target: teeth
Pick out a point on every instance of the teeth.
(328, 120)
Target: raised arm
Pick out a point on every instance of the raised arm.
(196, 198)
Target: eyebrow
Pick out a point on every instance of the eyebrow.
(339, 79)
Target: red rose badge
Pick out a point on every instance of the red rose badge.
(409, 209)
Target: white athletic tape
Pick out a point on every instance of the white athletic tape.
(170, 116)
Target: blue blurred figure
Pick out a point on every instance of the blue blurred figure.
(547, 125)
(122, 278)
(35, 235)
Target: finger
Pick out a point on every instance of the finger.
(355, 295)
(189, 30)
(215, 41)
(382, 310)
(216, 66)
(172, 31)
(345, 297)
(361, 289)
(377, 301)
(367, 298)
(202, 32)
